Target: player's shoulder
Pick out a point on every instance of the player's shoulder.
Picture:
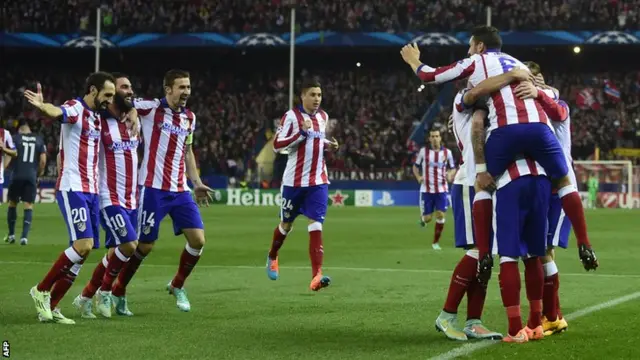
(146, 102)
(323, 114)
(73, 103)
(189, 114)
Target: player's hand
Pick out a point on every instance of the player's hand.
(333, 144)
(35, 98)
(588, 258)
(410, 53)
(484, 181)
(518, 74)
(526, 90)
(485, 265)
(307, 125)
(538, 80)
(203, 194)
(132, 121)
(450, 124)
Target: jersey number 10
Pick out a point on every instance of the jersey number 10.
(29, 152)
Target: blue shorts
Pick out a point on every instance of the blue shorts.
(520, 211)
(81, 212)
(120, 225)
(155, 204)
(534, 140)
(559, 224)
(431, 202)
(462, 204)
(309, 201)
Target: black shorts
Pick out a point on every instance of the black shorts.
(22, 190)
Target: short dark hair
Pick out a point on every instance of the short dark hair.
(173, 74)
(118, 75)
(98, 79)
(533, 67)
(434, 129)
(308, 84)
(488, 35)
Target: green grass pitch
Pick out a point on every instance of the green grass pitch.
(388, 287)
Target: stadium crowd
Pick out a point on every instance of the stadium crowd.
(374, 112)
(57, 16)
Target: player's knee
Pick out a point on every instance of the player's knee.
(27, 206)
(195, 238)
(286, 226)
(440, 218)
(426, 218)
(13, 204)
(83, 247)
(128, 248)
(550, 255)
(315, 226)
(145, 248)
(506, 259)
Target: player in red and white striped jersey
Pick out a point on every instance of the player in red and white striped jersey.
(518, 125)
(167, 127)
(434, 168)
(77, 186)
(7, 149)
(305, 184)
(118, 165)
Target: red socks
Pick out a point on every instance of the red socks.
(438, 231)
(316, 251)
(476, 295)
(188, 261)
(115, 264)
(510, 291)
(96, 279)
(463, 275)
(550, 298)
(279, 234)
(127, 272)
(534, 282)
(62, 265)
(62, 286)
(572, 206)
(482, 221)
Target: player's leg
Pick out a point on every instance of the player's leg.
(83, 302)
(289, 210)
(151, 211)
(507, 223)
(13, 197)
(28, 198)
(76, 211)
(314, 207)
(186, 219)
(441, 205)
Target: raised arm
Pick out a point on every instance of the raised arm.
(289, 133)
(459, 70)
(36, 99)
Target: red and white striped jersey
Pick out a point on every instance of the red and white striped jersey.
(462, 132)
(518, 168)
(504, 107)
(118, 164)
(79, 148)
(306, 165)
(166, 136)
(434, 169)
(7, 142)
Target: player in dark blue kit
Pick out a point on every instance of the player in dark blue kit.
(28, 165)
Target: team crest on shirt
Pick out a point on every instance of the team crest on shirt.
(82, 226)
(122, 231)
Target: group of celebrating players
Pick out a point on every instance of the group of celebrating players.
(511, 128)
(101, 181)
(514, 194)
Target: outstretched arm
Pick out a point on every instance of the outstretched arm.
(459, 70)
(36, 99)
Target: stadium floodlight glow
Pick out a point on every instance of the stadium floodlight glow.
(577, 49)
(420, 89)
(358, 64)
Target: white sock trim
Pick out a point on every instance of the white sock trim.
(73, 255)
(505, 259)
(75, 269)
(441, 221)
(121, 256)
(474, 253)
(192, 251)
(482, 195)
(550, 269)
(283, 231)
(567, 190)
(105, 261)
(315, 226)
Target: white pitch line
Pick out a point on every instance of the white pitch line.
(329, 268)
(467, 349)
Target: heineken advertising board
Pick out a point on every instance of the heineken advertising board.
(272, 197)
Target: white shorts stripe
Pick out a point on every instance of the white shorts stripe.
(67, 210)
(468, 217)
(140, 209)
(556, 236)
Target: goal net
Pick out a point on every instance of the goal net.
(616, 183)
